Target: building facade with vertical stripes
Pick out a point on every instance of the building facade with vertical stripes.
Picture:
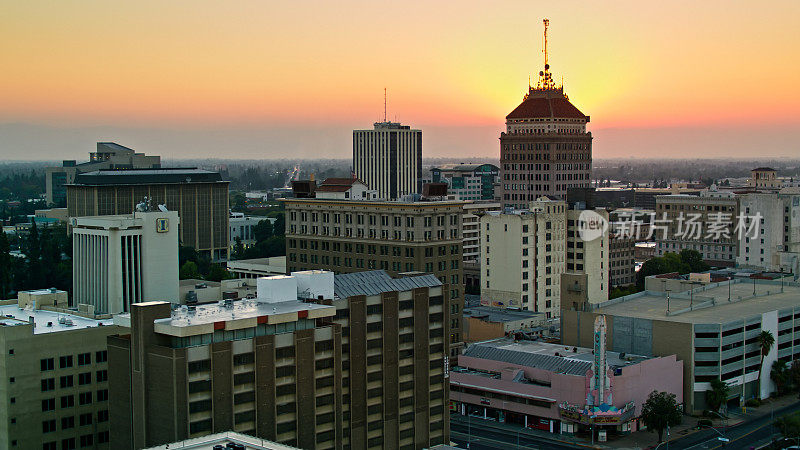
(364, 367)
(388, 159)
(121, 260)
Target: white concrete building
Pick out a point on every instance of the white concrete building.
(388, 159)
(775, 243)
(523, 257)
(242, 227)
(345, 189)
(471, 228)
(589, 256)
(120, 260)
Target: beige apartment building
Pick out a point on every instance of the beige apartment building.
(524, 256)
(347, 236)
(705, 222)
(315, 361)
(53, 374)
(775, 242)
(588, 256)
(471, 230)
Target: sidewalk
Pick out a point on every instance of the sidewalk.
(640, 439)
(645, 439)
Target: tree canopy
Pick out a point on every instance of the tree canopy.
(661, 410)
(684, 262)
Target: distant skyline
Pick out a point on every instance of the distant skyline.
(252, 79)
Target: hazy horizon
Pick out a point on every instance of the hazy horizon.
(252, 79)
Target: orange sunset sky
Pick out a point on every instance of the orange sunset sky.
(291, 79)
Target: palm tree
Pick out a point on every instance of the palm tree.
(718, 394)
(765, 342)
(780, 375)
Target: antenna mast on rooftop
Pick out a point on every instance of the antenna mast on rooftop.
(384, 104)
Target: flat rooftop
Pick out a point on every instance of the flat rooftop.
(491, 314)
(148, 176)
(11, 315)
(243, 309)
(653, 305)
(223, 439)
(541, 355)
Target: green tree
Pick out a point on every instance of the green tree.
(718, 394)
(694, 260)
(189, 271)
(765, 342)
(279, 227)
(263, 230)
(186, 253)
(5, 266)
(238, 202)
(218, 273)
(789, 425)
(794, 374)
(661, 411)
(238, 248)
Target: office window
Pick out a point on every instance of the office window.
(47, 364)
(48, 426)
(102, 415)
(85, 398)
(84, 378)
(65, 361)
(48, 384)
(101, 376)
(84, 359)
(67, 422)
(66, 381)
(101, 356)
(102, 395)
(68, 401)
(86, 440)
(85, 419)
(48, 404)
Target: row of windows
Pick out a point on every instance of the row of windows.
(65, 362)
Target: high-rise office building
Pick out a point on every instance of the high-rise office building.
(120, 260)
(199, 196)
(545, 149)
(109, 155)
(399, 237)
(388, 159)
(315, 361)
(54, 385)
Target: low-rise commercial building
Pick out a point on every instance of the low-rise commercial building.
(468, 181)
(557, 388)
(53, 374)
(713, 328)
(483, 323)
(257, 267)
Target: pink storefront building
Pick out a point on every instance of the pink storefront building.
(560, 389)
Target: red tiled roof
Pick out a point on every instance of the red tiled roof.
(538, 107)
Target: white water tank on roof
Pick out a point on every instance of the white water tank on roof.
(275, 289)
(314, 283)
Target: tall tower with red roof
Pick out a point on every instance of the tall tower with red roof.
(545, 149)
